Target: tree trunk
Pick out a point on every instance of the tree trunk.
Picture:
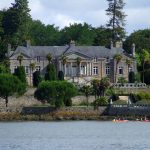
(143, 71)
(87, 100)
(128, 74)
(30, 76)
(6, 101)
(114, 16)
(116, 73)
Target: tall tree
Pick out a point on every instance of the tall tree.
(20, 58)
(83, 34)
(128, 63)
(9, 85)
(141, 38)
(64, 61)
(86, 89)
(49, 57)
(145, 58)
(32, 67)
(22, 8)
(117, 19)
(117, 59)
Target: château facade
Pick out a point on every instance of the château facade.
(83, 63)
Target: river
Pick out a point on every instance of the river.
(74, 135)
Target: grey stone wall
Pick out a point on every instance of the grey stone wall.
(129, 111)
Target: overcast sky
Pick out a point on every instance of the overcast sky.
(63, 12)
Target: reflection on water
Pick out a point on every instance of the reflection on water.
(77, 135)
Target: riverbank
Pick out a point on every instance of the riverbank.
(60, 115)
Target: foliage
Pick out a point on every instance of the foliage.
(144, 57)
(63, 59)
(86, 89)
(20, 73)
(20, 58)
(100, 86)
(3, 69)
(141, 38)
(103, 36)
(95, 84)
(147, 76)
(32, 66)
(59, 92)
(117, 19)
(50, 74)
(122, 80)
(117, 58)
(36, 78)
(49, 57)
(43, 35)
(120, 102)
(60, 75)
(104, 84)
(10, 85)
(141, 96)
(102, 101)
(82, 33)
(131, 77)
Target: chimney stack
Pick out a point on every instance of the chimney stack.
(8, 50)
(133, 50)
(72, 43)
(119, 44)
(28, 43)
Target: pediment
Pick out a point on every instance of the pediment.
(14, 56)
(75, 55)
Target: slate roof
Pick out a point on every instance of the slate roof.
(56, 51)
(95, 51)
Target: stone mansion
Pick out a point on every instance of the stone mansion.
(96, 62)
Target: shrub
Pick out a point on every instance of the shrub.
(131, 77)
(9, 85)
(120, 102)
(102, 101)
(36, 78)
(58, 92)
(50, 74)
(20, 73)
(142, 96)
(122, 80)
(60, 75)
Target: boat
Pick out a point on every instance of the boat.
(119, 120)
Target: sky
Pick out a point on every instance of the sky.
(65, 12)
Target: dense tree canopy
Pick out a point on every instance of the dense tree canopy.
(57, 92)
(10, 85)
(141, 38)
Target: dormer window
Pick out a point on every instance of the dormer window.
(95, 59)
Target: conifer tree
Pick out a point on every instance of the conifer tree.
(116, 19)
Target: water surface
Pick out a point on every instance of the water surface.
(75, 135)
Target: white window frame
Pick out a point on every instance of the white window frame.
(95, 70)
(107, 70)
(26, 69)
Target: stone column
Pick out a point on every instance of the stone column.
(91, 69)
(80, 69)
(86, 68)
(71, 69)
(65, 70)
(59, 66)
